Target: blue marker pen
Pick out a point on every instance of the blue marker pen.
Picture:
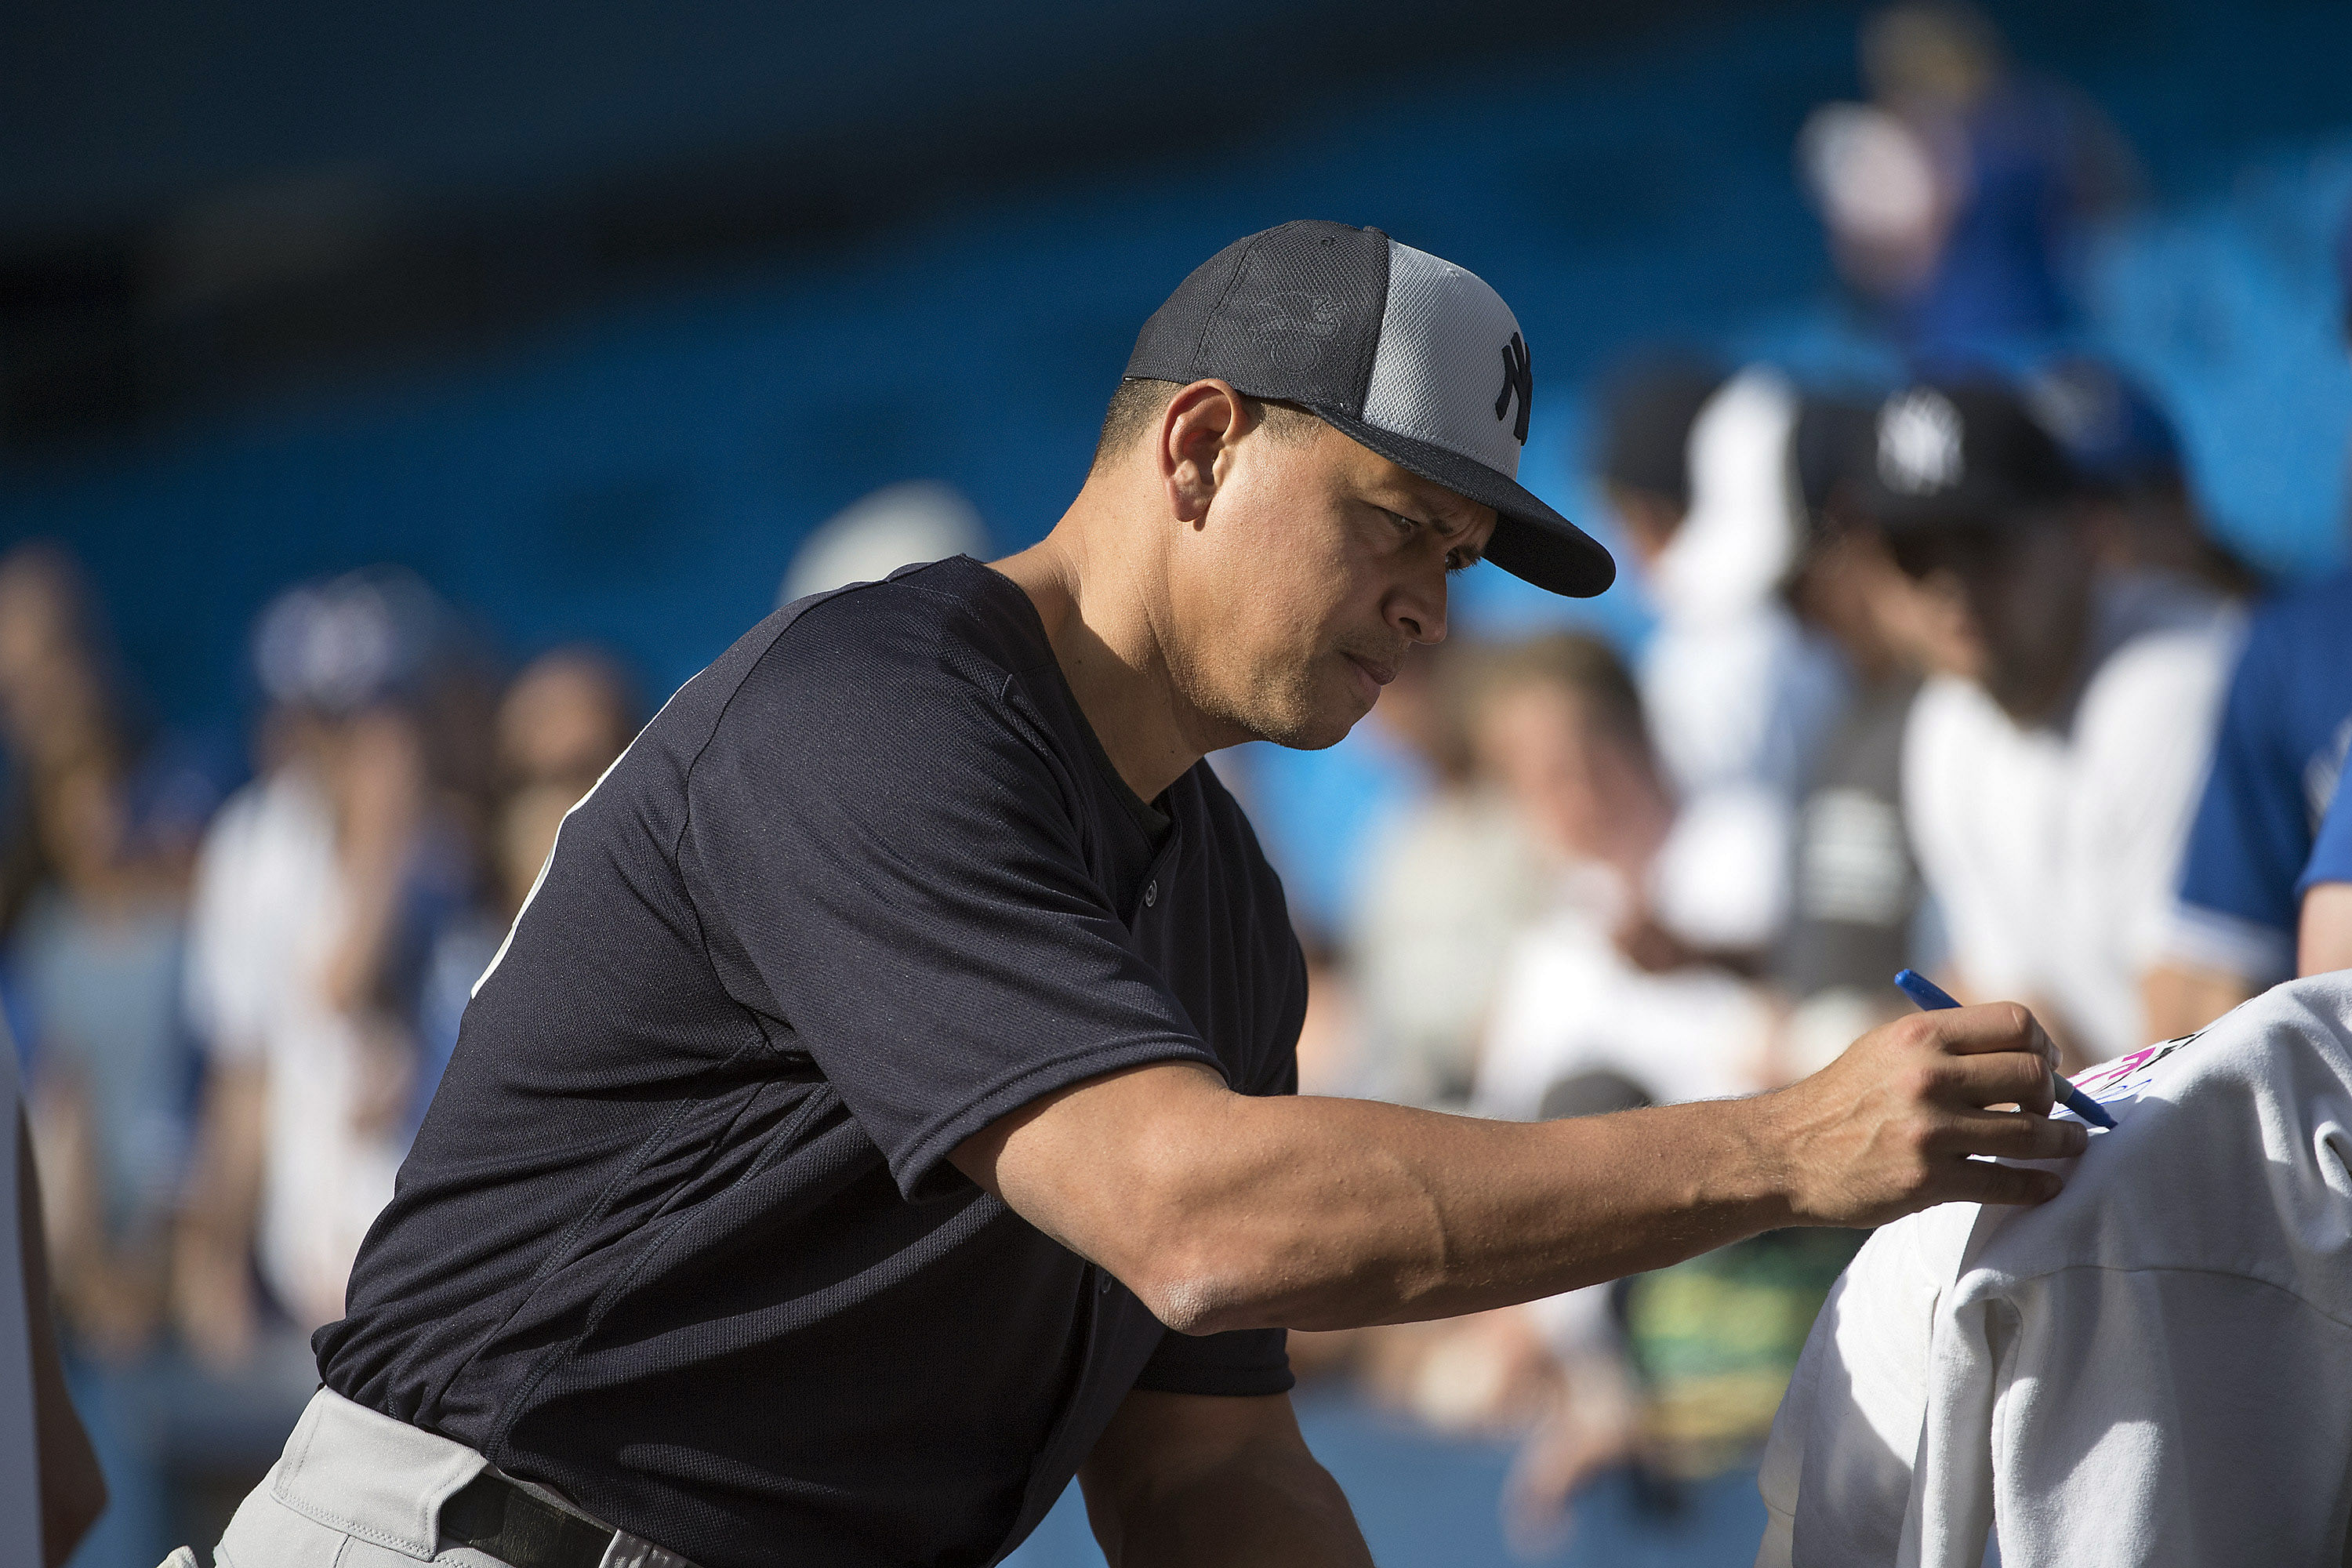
(1931, 997)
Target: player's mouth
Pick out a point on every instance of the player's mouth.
(1370, 677)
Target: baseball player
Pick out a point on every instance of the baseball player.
(880, 1113)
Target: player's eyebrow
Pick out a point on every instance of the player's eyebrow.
(1452, 528)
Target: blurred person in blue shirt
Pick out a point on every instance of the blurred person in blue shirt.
(1954, 198)
(2285, 728)
(2323, 892)
(104, 821)
(106, 830)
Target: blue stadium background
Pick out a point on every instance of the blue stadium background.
(636, 467)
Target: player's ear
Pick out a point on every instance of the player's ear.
(1200, 424)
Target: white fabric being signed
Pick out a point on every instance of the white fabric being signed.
(2155, 1367)
(2052, 852)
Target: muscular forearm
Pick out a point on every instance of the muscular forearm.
(1186, 1481)
(1225, 1211)
(1284, 1512)
(1318, 1213)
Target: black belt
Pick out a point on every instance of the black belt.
(493, 1515)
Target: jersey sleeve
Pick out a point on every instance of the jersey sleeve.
(1242, 1363)
(887, 869)
(2331, 852)
(2250, 832)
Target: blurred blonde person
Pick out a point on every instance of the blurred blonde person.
(560, 725)
(1448, 885)
(1592, 1013)
(1562, 729)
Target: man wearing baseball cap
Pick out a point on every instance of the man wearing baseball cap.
(2051, 762)
(881, 1111)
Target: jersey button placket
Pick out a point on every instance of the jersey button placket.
(1151, 892)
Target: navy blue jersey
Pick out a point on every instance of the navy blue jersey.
(679, 1236)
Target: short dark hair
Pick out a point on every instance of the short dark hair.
(1139, 403)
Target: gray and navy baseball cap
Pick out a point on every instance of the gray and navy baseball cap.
(1409, 354)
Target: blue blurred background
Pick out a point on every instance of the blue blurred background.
(588, 313)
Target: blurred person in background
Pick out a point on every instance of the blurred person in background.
(2135, 482)
(1956, 197)
(1675, 1372)
(1446, 888)
(321, 894)
(104, 827)
(560, 724)
(2285, 726)
(903, 525)
(51, 1487)
(93, 956)
(1562, 729)
(2051, 762)
(1738, 694)
(1855, 898)
(2324, 893)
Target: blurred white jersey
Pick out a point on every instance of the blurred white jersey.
(268, 910)
(1568, 1003)
(2052, 853)
(1738, 695)
(2155, 1366)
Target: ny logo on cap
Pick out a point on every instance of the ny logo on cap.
(1519, 379)
(1292, 326)
(1919, 444)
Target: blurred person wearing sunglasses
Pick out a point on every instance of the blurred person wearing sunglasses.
(2051, 765)
(2285, 728)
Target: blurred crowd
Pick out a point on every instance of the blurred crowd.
(235, 981)
(1949, 675)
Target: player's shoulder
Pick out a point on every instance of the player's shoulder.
(953, 616)
(944, 634)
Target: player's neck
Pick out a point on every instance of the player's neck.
(1094, 593)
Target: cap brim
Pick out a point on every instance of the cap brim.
(1531, 541)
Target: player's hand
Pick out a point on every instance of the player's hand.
(1887, 1128)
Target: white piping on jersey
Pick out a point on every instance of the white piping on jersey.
(541, 880)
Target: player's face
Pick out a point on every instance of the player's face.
(1320, 565)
